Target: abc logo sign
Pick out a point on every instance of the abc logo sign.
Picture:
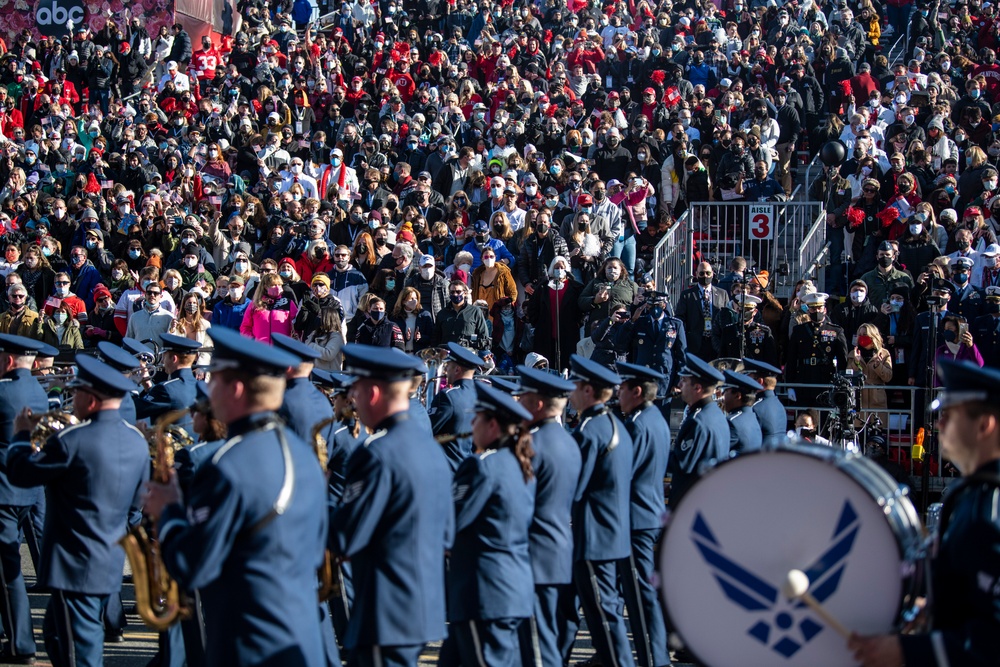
(53, 16)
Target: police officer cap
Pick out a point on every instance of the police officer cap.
(234, 351)
(591, 372)
(760, 368)
(379, 363)
(338, 383)
(100, 377)
(942, 285)
(537, 381)
(629, 371)
(12, 344)
(463, 356)
(966, 382)
(964, 263)
(115, 356)
(695, 367)
(491, 399)
(179, 344)
(138, 349)
(744, 383)
(304, 352)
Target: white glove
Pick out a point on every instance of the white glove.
(791, 394)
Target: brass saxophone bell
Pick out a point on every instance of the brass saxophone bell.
(47, 424)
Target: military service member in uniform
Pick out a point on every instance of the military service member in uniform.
(650, 449)
(704, 434)
(557, 465)
(93, 473)
(657, 340)
(986, 329)
(968, 300)
(601, 513)
(18, 390)
(965, 568)
(396, 519)
(305, 405)
(738, 396)
(252, 535)
(451, 409)
(749, 339)
(768, 409)
(489, 572)
(816, 350)
(177, 392)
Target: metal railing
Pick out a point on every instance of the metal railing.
(670, 260)
(898, 423)
(785, 238)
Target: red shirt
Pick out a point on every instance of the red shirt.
(204, 62)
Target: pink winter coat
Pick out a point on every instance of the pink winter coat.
(260, 323)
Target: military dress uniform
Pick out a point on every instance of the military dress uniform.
(305, 405)
(986, 329)
(659, 343)
(18, 390)
(965, 570)
(452, 409)
(557, 464)
(815, 351)
(93, 474)
(650, 450)
(703, 435)
(768, 409)
(490, 591)
(395, 522)
(758, 342)
(177, 392)
(601, 515)
(745, 434)
(261, 491)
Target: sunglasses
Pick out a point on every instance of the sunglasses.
(870, 190)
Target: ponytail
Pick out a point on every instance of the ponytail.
(519, 442)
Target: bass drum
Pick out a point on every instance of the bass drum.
(744, 525)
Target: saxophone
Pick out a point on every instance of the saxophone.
(158, 599)
(330, 581)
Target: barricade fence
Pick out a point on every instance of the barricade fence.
(671, 260)
(788, 239)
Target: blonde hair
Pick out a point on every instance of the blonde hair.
(870, 330)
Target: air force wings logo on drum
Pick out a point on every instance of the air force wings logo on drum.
(786, 626)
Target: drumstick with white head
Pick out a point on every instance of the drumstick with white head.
(796, 587)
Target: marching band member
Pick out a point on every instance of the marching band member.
(557, 466)
(126, 364)
(650, 448)
(489, 572)
(396, 518)
(739, 394)
(768, 409)
(18, 390)
(94, 473)
(451, 410)
(305, 405)
(178, 391)
(256, 496)
(704, 433)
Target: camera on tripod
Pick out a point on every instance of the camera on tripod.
(843, 394)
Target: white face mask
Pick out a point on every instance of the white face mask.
(916, 229)
(489, 263)
(296, 169)
(427, 273)
(124, 209)
(531, 190)
(559, 273)
(190, 262)
(858, 296)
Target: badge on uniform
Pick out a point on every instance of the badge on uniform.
(757, 336)
(827, 335)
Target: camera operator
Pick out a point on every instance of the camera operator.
(656, 339)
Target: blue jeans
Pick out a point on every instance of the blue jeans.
(624, 249)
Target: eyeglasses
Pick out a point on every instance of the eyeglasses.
(61, 282)
(869, 190)
(705, 273)
(152, 293)
(18, 296)
(267, 270)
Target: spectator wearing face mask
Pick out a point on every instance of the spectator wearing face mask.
(854, 311)
(101, 321)
(431, 286)
(233, 303)
(84, 274)
(296, 175)
(482, 240)
(377, 329)
(273, 310)
(19, 318)
(462, 322)
(61, 330)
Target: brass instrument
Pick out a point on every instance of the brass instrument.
(158, 599)
(46, 424)
(433, 357)
(330, 582)
(445, 439)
